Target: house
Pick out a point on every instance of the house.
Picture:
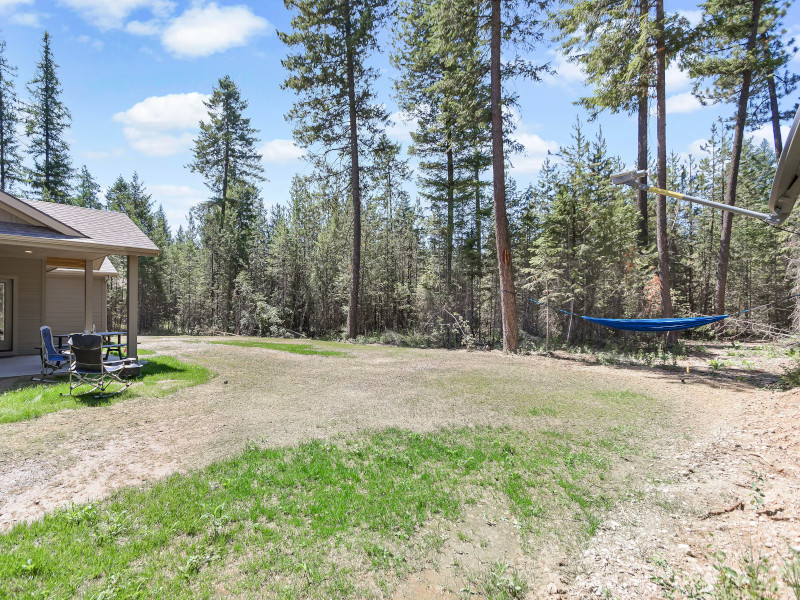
(53, 269)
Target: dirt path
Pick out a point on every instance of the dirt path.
(729, 433)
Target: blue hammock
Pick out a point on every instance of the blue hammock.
(656, 324)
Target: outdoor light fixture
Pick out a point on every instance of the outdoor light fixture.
(28, 251)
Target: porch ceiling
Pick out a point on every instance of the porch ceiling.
(32, 239)
(54, 255)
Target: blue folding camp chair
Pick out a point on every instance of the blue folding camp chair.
(52, 359)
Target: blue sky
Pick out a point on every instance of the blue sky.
(135, 72)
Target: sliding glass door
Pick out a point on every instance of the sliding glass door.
(6, 314)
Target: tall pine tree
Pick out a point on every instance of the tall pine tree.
(46, 124)
(335, 112)
(87, 190)
(523, 23)
(726, 50)
(225, 155)
(619, 62)
(225, 150)
(774, 81)
(10, 161)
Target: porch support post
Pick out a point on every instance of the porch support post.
(133, 305)
(43, 309)
(87, 295)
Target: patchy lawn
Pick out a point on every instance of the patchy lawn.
(293, 347)
(405, 473)
(162, 375)
(310, 520)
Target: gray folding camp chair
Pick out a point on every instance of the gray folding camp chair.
(52, 359)
(87, 366)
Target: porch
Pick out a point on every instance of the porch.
(53, 269)
(19, 366)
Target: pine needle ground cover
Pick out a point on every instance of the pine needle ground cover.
(348, 517)
(162, 375)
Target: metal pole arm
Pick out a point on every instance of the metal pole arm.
(631, 178)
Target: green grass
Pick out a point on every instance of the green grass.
(162, 375)
(319, 520)
(284, 347)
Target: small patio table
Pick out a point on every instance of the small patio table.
(108, 342)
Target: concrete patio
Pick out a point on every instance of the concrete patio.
(17, 366)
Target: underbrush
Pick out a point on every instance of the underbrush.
(318, 520)
(791, 375)
(609, 353)
(753, 578)
(420, 339)
(162, 375)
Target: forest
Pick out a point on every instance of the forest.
(469, 257)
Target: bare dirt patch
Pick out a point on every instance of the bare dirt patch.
(707, 440)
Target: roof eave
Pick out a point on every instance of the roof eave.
(84, 245)
(22, 207)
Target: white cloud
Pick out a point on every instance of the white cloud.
(90, 41)
(536, 152)
(693, 16)
(158, 144)
(111, 14)
(683, 103)
(566, 72)
(536, 148)
(163, 125)
(205, 29)
(280, 151)
(173, 111)
(696, 148)
(28, 19)
(675, 79)
(177, 200)
(151, 27)
(765, 133)
(402, 126)
(8, 9)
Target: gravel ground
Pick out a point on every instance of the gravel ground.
(708, 442)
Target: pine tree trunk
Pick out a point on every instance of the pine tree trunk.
(773, 101)
(733, 174)
(355, 265)
(448, 268)
(641, 163)
(478, 249)
(3, 159)
(508, 299)
(661, 201)
(3, 167)
(776, 118)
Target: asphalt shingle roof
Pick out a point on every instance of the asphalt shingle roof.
(33, 231)
(101, 226)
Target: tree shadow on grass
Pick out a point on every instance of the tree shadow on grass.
(149, 370)
(160, 368)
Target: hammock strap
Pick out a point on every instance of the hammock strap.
(566, 312)
(747, 310)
